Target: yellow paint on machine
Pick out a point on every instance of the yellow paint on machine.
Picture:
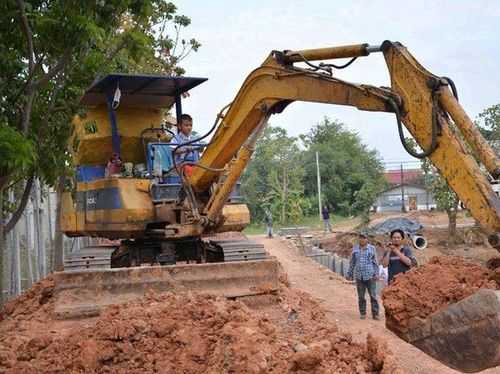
(235, 217)
(91, 142)
(130, 220)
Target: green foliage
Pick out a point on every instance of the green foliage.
(16, 152)
(446, 198)
(282, 176)
(52, 51)
(364, 199)
(273, 179)
(488, 122)
(351, 175)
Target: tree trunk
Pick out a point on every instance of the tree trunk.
(22, 205)
(452, 225)
(285, 196)
(58, 239)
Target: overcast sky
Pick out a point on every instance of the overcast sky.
(458, 39)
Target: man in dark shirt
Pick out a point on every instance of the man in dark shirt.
(268, 218)
(398, 257)
(325, 212)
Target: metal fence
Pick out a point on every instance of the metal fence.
(336, 264)
(29, 252)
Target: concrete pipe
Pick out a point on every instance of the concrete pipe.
(419, 242)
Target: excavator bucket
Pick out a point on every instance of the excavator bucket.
(85, 293)
(464, 336)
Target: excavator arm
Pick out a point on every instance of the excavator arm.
(464, 335)
(422, 102)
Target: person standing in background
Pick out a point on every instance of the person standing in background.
(325, 212)
(269, 223)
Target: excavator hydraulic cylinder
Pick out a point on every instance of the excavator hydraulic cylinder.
(346, 51)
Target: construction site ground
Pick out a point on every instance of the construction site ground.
(338, 297)
(469, 241)
(185, 333)
(311, 326)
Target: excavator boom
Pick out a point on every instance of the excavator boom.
(422, 102)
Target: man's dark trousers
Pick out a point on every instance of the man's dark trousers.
(371, 286)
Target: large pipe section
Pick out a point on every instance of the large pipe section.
(418, 241)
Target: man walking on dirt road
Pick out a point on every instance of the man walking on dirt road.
(325, 213)
(363, 269)
(268, 218)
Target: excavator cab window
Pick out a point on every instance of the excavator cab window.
(160, 164)
(160, 161)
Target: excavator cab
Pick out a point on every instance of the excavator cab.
(123, 115)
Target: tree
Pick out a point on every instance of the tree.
(51, 51)
(351, 175)
(446, 199)
(488, 122)
(273, 180)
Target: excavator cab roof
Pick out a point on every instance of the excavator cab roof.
(156, 91)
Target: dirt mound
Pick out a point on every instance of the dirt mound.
(188, 333)
(36, 300)
(493, 263)
(342, 244)
(442, 281)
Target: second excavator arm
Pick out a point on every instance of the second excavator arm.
(422, 102)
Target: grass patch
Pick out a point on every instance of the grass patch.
(312, 221)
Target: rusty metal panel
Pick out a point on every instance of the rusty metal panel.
(85, 293)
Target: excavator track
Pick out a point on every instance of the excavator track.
(240, 250)
(88, 284)
(89, 258)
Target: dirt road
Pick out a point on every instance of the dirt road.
(339, 299)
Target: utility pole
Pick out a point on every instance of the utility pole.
(319, 184)
(403, 208)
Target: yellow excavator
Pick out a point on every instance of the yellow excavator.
(165, 226)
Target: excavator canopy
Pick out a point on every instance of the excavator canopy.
(152, 91)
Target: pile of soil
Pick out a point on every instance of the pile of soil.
(429, 288)
(34, 302)
(183, 333)
(493, 263)
(342, 244)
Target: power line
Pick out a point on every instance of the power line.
(401, 162)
